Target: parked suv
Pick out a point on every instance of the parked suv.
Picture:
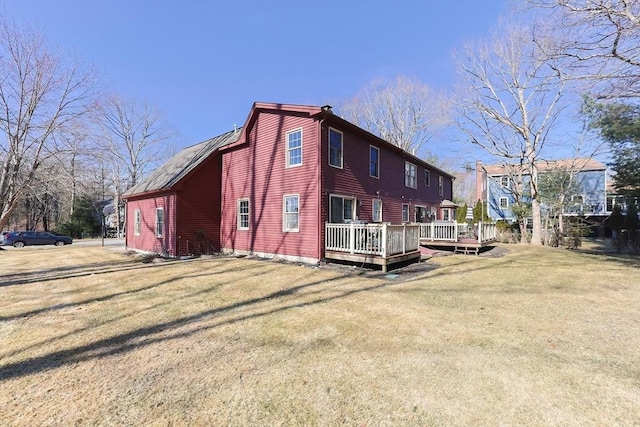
(19, 239)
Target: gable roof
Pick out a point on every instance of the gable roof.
(579, 164)
(325, 113)
(180, 165)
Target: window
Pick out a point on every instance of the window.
(427, 178)
(577, 198)
(446, 214)
(335, 148)
(504, 203)
(341, 209)
(137, 221)
(376, 207)
(440, 186)
(159, 222)
(374, 162)
(291, 213)
(243, 214)
(405, 212)
(409, 175)
(504, 181)
(294, 148)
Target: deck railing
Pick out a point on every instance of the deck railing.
(454, 231)
(383, 240)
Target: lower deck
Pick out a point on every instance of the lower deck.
(462, 246)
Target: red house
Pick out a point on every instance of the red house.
(279, 184)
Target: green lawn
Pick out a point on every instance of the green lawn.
(537, 336)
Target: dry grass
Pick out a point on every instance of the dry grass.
(539, 336)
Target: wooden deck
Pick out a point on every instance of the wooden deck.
(463, 238)
(378, 244)
(387, 244)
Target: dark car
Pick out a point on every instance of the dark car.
(19, 239)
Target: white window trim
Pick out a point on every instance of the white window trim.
(415, 175)
(408, 212)
(440, 185)
(284, 214)
(446, 214)
(416, 219)
(378, 168)
(427, 178)
(160, 230)
(506, 204)
(341, 147)
(288, 150)
(508, 181)
(137, 222)
(575, 197)
(354, 211)
(373, 210)
(248, 214)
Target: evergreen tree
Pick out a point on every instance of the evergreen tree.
(619, 125)
(461, 213)
(480, 212)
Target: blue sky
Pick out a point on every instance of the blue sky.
(203, 63)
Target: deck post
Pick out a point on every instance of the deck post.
(384, 240)
(404, 238)
(352, 238)
(480, 231)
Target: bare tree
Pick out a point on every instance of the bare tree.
(597, 39)
(405, 112)
(42, 93)
(136, 137)
(510, 102)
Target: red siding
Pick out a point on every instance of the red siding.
(198, 209)
(147, 240)
(257, 171)
(354, 180)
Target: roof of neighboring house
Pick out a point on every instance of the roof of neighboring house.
(180, 165)
(581, 164)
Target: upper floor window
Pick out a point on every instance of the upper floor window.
(137, 222)
(243, 214)
(440, 186)
(409, 175)
(504, 203)
(376, 214)
(504, 181)
(159, 222)
(374, 162)
(335, 148)
(291, 213)
(294, 148)
(427, 178)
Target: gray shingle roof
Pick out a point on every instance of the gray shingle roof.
(179, 166)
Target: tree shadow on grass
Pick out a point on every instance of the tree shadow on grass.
(66, 272)
(111, 295)
(288, 298)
